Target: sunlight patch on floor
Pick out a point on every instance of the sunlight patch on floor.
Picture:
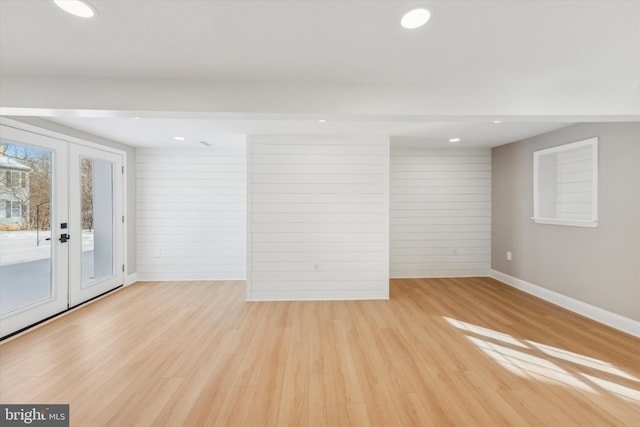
(533, 360)
(529, 366)
(615, 388)
(580, 359)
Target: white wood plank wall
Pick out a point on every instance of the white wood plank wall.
(319, 217)
(574, 184)
(440, 212)
(191, 213)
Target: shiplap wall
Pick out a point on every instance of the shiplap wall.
(440, 212)
(318, 220)
(191, 212)
(574, 184)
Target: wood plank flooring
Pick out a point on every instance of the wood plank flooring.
(440, 352)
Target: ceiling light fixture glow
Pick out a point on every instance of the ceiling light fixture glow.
(455, 140)
(76, 7)
(179, 138)
(322, 120)
(497, 121)
(415, 18)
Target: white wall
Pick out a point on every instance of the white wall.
(440, 212)
(318, 220)
(191, 213)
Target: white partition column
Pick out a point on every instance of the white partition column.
(318, 218)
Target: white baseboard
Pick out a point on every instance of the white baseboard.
(186, 277)
(333, 295)
(608, 318)
(453, 274)
(130, 279)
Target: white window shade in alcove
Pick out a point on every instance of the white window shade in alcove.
(565, 184)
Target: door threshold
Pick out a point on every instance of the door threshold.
(60, 314)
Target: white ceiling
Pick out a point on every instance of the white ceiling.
(503, 58)
(160, 132)
(336, 41)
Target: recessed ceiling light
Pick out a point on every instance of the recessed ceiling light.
(76, 7)
(497, 121)
(322, 120)
(415, 18)
(179, 138)
(454, 140)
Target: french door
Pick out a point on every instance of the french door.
(95, 217)
(61, 231)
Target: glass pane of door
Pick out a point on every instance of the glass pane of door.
(95, 223)
(25, 227)
(33, 213)
(97, 216)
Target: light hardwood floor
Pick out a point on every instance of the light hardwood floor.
(440, 352)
